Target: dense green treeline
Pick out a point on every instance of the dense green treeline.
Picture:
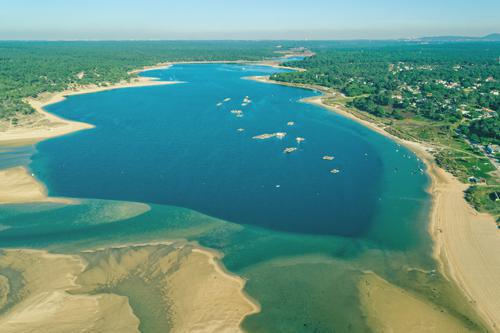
(29, 68)
(446, 94)
(451, 82)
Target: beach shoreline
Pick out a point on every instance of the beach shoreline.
(466, 244)
(212, 298)
(47, 125)
(50, 125)
(17, 184)
(461, 237)
(54, 126)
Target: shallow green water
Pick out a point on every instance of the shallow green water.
(302, 245)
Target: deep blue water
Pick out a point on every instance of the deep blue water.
(302, 246)
(173, 145)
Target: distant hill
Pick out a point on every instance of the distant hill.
(489, 38)
(495, 37)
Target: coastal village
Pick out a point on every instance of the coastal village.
(290, 143)
(447, 103)
(250, 167)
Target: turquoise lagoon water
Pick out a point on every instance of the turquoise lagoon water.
(301, 235)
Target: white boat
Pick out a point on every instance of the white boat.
(328, 158)
(280, 135)
(334, 171)
(289, 150)
(299, 139)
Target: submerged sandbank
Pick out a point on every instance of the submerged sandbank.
(177, 287)
(391, 309)
(466, 243)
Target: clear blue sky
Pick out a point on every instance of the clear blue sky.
(248, 19)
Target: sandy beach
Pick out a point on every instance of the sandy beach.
(45, 125)
(389, 308)
(17, 185)
(466, 243)
(181, 288)
(199, 294)
(45, 301)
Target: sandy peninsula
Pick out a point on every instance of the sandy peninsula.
(466, 243)
(157, 287)
(44, 125)
(184, 287)
(17, 185)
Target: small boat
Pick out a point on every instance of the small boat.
(227, 99)
(264, 136)
(237, 112)
(290, 123)
(299, 139)
(328, 158)
(240, 129)
(335, 171)
(219, 104)
(280, 135)
(289, 150)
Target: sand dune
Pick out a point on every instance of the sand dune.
(181, 288)
(43, 303)
(149, 288)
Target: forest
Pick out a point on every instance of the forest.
(444, 93)
(452, 82)
(30, 68)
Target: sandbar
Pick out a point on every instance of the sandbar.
(466, 243)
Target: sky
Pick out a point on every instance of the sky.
(245, 19)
